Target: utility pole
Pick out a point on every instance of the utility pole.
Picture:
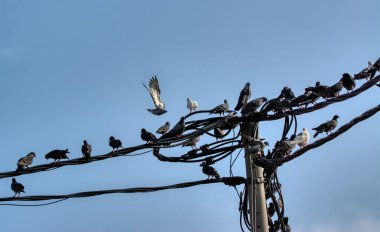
(255, 184)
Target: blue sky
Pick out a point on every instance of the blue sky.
(72, 70)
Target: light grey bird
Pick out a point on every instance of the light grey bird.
(155, 93)
(221, 108)
(25, 161)
(255, 145)
(17, 187)
(253, 105)
(302, 138)
(163, 129)
(192, 105)
(86, 150)
(192, 142)
(244, 96)
(327, 126)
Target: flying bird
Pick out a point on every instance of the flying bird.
(86, 150)
(25, 161)
(192, 142)
(147, 136)
(244, 96)
(348, 82)
(163, 129)
(177, 130)
(221, 108)
(302, 138)
(57, 155)
(209, 171)
(155, 93)
(287, 93)
(17, 187)
(192, 105)
(327, 126)
(115, 143)
(253, 105)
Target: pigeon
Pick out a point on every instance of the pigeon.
(335, 89)
(25, 161)
(327, 126)
(304, 100)
(218, 133)
(244, 96)
(271, 209)
(253, 105)
(115, 143)
(285, 146)
(348, 82)
(192, 105)
(286, 225)
(287, 93)
(86, 150)
(370, 71)
(320, 90)
(276, 105)
(302, 138)
(220, 108)
(177, 130)
(147, 136)
(192, 142)
(155, 93)
(256, 146)
(17, 187)
(209, 171)
(163, 129)
(57, 155)
(205, 148)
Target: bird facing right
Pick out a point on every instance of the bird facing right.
(25, 161)
(302, 138)
(327, 126)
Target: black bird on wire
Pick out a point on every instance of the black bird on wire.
(369, 72)
(115, 143)
(177, 130)
(304, 100)
(209, 171)
(25, 161)
(220, 108)
(155, 93)
(57, 155)
(244, 96)
(335, 89)
(327, 126)
(287, 93)
(163, 129)
(253, 105)
(17, 187)
(86, 150)
(276, 105)
(147, 136)
(320, 90)
(348, 82)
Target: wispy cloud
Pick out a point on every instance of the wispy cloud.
(366, 224)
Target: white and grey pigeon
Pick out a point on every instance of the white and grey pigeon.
(302, 138)
(25, 161)
(155, 93)
(192, 105)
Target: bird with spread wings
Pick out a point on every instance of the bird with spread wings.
(155, 93)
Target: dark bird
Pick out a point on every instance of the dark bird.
(209, 171)
(348, 82)
(253, 105)
(320, 90)
(304, 100)
(17, 187)
(115, 143)
(327, 126)
(86, 150)
(370, 71)
(244, 96)
(285, 146)
(192, 142)
(276, 105)
(220, 108)
(287, 93)
(271, 209)
(25, 161)
(177, 130)
(335, 89)
(163, 129)
(155, 93)
(57, 155)
(219, 133)
(205, 149)
(147, 136)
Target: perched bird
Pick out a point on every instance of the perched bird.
(57, 155)
(370, 71)
(17, 187)
(253, 105)
(115, 143)
(155, 93)
(335, 89)
(271, 209)
(320, 90)
(220, 108)
(147, 136)
(218, 133)
(25, 161)
(327, 126)
(86, 150)
(287, 93)
(209, 171)
(302, 138)
(163, 129)
(305, 99)
(257, 146)
(192, 142)
(177, 130)
(205, 149)
(276, 105)
(348, 82)
(192, 105)
(244, 96)
(285, 146)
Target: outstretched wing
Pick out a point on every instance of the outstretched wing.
(155, 92)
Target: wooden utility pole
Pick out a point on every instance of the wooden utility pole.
(255, 184)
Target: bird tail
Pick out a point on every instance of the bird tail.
(316, 133)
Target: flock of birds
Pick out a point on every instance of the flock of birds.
(284, 102)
